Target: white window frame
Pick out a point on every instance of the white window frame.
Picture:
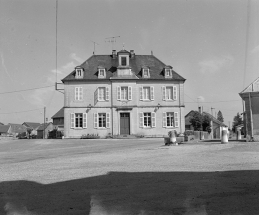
(74, 117)
(168, 73)
(145, 75)
(105, 96)
(97, 120)
(175, 118)
(79, 73)
(78, 93)
(101, 75)
(144, 95)
(128, 96)
(174, 93)
(151, 116)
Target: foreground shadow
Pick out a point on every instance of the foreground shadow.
(232, 192)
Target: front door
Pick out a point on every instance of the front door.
(125, 123)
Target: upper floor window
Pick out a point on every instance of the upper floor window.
(79, 72)
(169, 92)
(170, 119)
(168, 73)
(102, 94)
(145, 73)
(146, 93)
(78, 93)
(101, 73)
(124, 93)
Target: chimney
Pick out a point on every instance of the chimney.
(151, 52)
(114, 54)
(199, 108)
(132, 54)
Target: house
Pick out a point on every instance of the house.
(17, 129)
(58, 119)
(43, 130)
(250, 96)
(33, 126)
(123, 94)
(216, 125)
(1, 123)
(5, 129)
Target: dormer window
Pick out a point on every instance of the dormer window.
(101, 73)
(168, 73)
(124, 60)
(145, 73)
(79, 72)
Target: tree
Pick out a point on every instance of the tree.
(237, 121)
(220, 117)
(200, 122)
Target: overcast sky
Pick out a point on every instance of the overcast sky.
(214, 44)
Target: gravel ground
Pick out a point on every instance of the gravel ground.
(137, 176)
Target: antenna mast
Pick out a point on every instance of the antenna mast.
(111, 40)
(94, 45)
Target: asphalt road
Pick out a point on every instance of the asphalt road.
(137, 176)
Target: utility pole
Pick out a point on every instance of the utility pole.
(44, 123)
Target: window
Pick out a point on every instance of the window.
(169, 93)
(168, 73)
(101, 94)
(101, 120)
(146, 93)
(78, 93)
(124, 61)
(124, 93)
(101, 73)
(79, 73)
(147, 119)
(78, 120)
(145, 73)
(170, 119)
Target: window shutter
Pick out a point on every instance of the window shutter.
(107, 97)
(141, 93)
(108, 120)
(95, 120)
(151, 93)
(153, 115)
(80, 93)
(118, 93)
(130, 93)
(76, 93)
(164, 93)
(174, 92)
(98, 90)
(141, 120)
(176, 119)
(72, 123)
(84, 120)
(96, 96)
(164, 119)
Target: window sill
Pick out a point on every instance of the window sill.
(79, 128)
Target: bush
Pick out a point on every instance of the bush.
(188, 132)
(90, 136)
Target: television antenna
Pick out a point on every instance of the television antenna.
(94, 45)
(111, 40)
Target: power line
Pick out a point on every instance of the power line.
(21, 111)
(17, 91)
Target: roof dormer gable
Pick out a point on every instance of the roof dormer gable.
(145, 72)
(168, 72)
(123, 58)
(101, 72)
(79, 72)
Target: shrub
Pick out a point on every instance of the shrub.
(90, 136)
(188, 132)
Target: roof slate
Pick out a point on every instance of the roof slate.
(33, 125)
(43, 126)
(4, 128)
(90, 67)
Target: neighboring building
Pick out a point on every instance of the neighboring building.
(58, 119)
(250, 96)
(17, 129)
(1, 123)
(216, 125)
(33, 126)
(123, 94)
(43, 130)
(5, 129)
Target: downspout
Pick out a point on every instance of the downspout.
(111, 108)
(180, 108)
(251, 116)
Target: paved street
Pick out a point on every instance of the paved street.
(137, 176)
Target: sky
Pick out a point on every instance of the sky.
(213, 44)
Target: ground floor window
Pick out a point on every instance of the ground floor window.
(101, 120)
(147, 119)
(78, 120)
(170, 119)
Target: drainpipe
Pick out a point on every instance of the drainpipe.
(111, 108)
(180, 109)
(251, 116)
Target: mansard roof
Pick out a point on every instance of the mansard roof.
(90, 67)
